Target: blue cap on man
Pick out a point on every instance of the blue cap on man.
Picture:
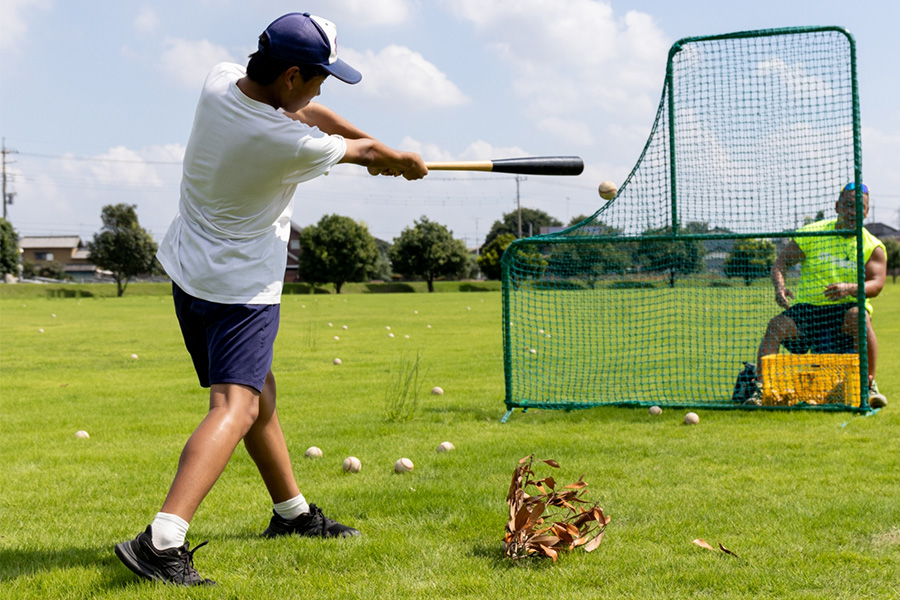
(305, 39)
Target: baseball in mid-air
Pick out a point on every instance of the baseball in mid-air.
(313, 452)
(404, 465)
(81, 433)
(352, 464)
(446, 447)
(608, 190)
(691, 418)
(655, 411)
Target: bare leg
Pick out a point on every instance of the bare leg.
(266, 446)
(849, 328)
(780, 328)
(232, 411)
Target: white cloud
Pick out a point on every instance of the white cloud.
(880, 152)
(400, 76)
(147, 20)
(482, 150)
(187, 62)
(67, 197)
(374, 13)
(122, 166)
(429, 152)
(574, 131)
(577, 57)
(13, 22)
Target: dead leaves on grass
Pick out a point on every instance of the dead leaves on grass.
(549, 519)
(704, 544)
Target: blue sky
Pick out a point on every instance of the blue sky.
(98, 98)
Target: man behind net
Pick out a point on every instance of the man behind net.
(823, 320)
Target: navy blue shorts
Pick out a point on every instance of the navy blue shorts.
(229, 343)
(820, 329)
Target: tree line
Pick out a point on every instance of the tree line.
(339, 250)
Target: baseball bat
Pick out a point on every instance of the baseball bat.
(533, 165)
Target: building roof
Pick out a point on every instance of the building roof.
(882, 230)
(50, 241)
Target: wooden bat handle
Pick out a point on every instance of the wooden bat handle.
(481, 165)
(531, 165)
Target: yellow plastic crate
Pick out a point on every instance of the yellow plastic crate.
(790, 379)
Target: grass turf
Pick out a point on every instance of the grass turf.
(808, 502)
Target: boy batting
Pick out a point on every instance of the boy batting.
(256, 135)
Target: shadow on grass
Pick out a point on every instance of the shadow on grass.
(492, 552)
(25, 563)
(470, 287)
(390, 288)
(68, 293)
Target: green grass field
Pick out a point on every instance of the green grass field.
(807, 501)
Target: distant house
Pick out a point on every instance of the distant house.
(291, 271)
(883, 231)
(67, 250)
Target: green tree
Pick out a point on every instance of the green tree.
(382, 268)
(9, 249)
(492, 252)
(750, 259)
(893, 257)
(336, 250)
(673, 257)
(122, 247)
(53, 270)
(532, 220)
(428, 250)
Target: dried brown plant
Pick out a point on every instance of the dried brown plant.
(548, 520)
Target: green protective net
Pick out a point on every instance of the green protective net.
(664, 294)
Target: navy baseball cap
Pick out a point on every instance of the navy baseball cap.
(304, 39)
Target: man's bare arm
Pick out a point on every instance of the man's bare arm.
(319, 115)
(876, 274)
(789, 256)
(380, 159)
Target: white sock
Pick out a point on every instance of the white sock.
(168, 531)
(293, 508)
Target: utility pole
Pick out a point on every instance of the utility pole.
(7, 198)
(519, 204)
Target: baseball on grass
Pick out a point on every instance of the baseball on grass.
(337, 361)
(691, 418)
(446, 447)
(81, 433)
(313, 452)
(437, 391)
(608, 190)
(404, 465)
(655, 411)
(352, 464)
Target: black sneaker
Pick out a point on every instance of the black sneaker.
(312, 524)
(173, 565)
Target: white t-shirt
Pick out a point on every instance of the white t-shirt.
(244, 159)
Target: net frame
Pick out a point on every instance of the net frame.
(524, 260)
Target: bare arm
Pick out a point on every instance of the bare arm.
(876, 274)
(319, 115)
(789, 256)
(380, 159)
(362, 149)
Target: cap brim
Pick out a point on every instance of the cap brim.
(343, 71)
